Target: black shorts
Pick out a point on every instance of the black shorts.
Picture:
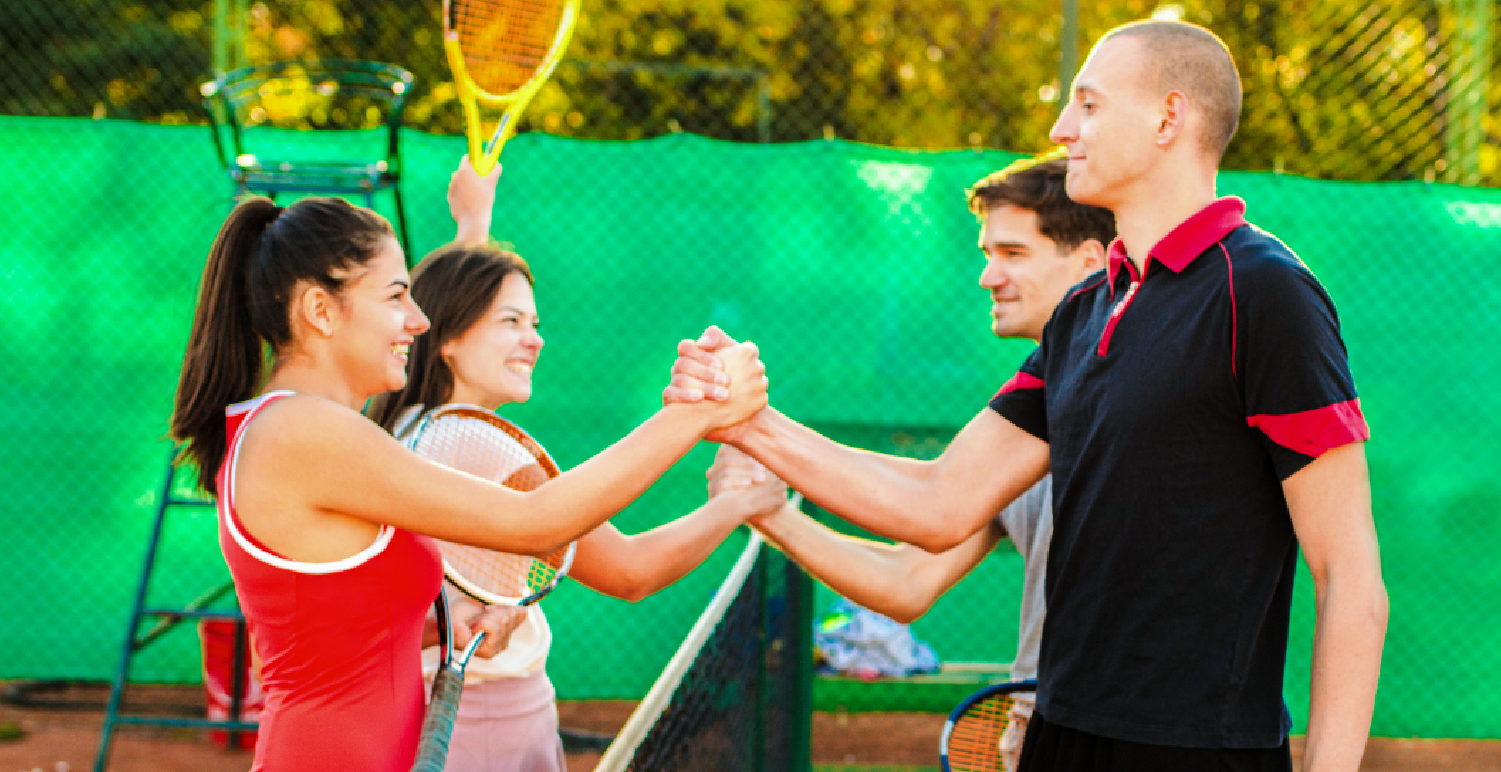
(1052, 748)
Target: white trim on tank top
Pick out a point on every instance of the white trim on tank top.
(381, 539)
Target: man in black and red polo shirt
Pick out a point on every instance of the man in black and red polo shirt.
(1199, 395)
(1195, 406)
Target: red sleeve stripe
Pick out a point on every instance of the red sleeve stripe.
(1020, 381)
(1312, 432)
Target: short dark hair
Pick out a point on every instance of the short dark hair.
(1186, 57)
(1039, 185)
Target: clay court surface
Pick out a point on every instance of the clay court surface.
(67, 741)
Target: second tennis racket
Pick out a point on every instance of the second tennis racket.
(474, 440)
(984, 734)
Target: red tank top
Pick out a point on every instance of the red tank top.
(340, 643)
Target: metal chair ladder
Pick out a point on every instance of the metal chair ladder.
(166, 619)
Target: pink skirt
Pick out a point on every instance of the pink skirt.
(507, 725)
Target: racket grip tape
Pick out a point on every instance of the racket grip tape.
(437, 725)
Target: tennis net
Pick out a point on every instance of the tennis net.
(735, 695)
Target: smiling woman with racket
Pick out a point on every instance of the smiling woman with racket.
(324, 517)
(478, 356)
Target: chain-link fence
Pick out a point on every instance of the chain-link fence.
(850, 264)
(1336, 89)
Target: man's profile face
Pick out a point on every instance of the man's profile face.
(1109, 125)
(1026, 273)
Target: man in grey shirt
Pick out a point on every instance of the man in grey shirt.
(1037, 245)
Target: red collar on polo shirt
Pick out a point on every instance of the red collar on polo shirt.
(1189, 240)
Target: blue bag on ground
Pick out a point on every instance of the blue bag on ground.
(855, 641)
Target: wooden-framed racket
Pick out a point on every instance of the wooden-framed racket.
(501, 52)
(984, 734)
(474, 440)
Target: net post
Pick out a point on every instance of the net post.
(800, 655)
(763, 650)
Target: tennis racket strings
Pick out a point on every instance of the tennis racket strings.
(501, 52)
(984, 734)
(504, 42)
(477, 441)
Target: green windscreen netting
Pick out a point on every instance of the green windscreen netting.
(853, 267)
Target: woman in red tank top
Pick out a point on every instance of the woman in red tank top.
(324, 516)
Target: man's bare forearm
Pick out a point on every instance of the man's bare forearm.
(898, 580)
(935, 505)
(873, 491)
(1347, 646)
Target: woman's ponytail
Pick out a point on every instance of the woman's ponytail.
(225, 355)
(259, 258)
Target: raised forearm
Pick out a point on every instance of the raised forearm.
(471, 201)
(473, 231)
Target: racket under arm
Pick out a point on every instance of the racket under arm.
(979, 735)
(448, 687)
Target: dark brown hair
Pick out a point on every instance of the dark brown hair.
(454, 285)
(261, 253)
(1179, 56)
(1039, 185)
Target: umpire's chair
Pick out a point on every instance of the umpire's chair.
(254, 112)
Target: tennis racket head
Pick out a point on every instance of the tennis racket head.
(984, 734)
(506, 44)
(475, 440)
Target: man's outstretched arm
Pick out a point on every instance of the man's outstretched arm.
(935, 505)
(899, 580)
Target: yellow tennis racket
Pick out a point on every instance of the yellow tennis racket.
(501, 52)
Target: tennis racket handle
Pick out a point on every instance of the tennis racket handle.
(437, 726)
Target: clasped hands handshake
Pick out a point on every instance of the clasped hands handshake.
(726, 381)
(716, 369)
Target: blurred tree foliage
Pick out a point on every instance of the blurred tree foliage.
(1345, 89)
(138, 60)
